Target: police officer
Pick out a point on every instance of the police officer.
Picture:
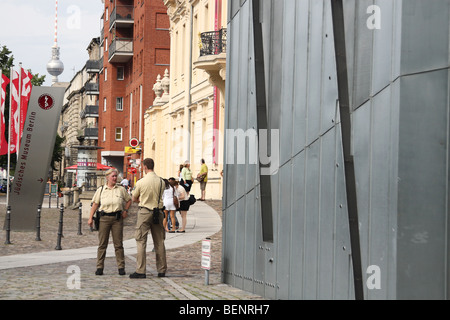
(148, 192)
(113, 202)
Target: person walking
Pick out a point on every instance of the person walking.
(113, 203)
(183, 197)
(186, 176)
(203, 179)
(169, 205)
(148, 193)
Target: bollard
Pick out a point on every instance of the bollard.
(60, 228)
(38, 224)
(8, 225)
(206, 258)
(49, 200)
(57, 200)
(80, 214)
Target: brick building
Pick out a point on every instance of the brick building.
(135, 44)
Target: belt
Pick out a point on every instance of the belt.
(148, 208)
(111, 214)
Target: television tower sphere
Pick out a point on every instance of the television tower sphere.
(55, 66)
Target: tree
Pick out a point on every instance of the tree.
(57, 151)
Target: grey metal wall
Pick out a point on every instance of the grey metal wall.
(399, 94)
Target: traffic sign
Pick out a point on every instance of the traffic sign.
(206, 246)
(134, 142)
(206, 262)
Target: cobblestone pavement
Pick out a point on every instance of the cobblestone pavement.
(185, 279)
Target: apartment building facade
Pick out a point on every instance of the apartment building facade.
(79, 123)
(135, 47)
(187, 123)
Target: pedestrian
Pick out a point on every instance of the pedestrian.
(202, 177)
(169, 206)
(113, 203)
(183, 197)
(148, 192)
(124, 183)
(186, 176)
(179, 172)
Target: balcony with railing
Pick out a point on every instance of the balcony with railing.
(121, 16)
(92, 88)
(88, 134)
(213, 56)
(213, 42)
(93, 66)
(120, 50)
(91, 111)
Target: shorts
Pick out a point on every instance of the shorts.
(184, 205)
(202, 186)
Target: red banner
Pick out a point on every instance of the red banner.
(3, 142)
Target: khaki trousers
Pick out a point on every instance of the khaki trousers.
(107, 225)
(143, 226)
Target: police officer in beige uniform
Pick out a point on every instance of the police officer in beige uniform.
(114, 202)
(148, 193)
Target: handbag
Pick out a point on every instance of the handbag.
(192, 199)
(201, 177)
(176, 203)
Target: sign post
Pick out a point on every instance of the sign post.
(206, 258)
(38, 139)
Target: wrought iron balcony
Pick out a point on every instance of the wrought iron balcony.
(213, 42)
(120, 50)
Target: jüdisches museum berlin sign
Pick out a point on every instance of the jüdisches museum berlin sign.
(36, 148)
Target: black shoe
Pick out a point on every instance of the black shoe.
(122, 271)
(99, 272)
(161, 275)
(138, 275)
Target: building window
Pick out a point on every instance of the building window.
(106, 44)
(120, 73)
(118, 134)
(104, 104)
(106, 74)
(119, 104)
(104, 134)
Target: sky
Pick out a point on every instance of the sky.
(27, 29)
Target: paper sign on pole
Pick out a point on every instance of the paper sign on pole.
(36, 148)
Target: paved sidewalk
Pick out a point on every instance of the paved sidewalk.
(68, 274)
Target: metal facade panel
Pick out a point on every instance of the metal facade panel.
(314, 84)
(297, 260)
(382, 47)
(251, 228)
(311, 221)
(329, 83)
(287, 83)
(423, 186)
(300, 75)
(363, 50)
(284, 230)
(425, 26)
(327, 210)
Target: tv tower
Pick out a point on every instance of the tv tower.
(55, 67)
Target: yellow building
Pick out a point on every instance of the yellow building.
(186, 120)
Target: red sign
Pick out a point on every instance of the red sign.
(132, 170)
(134, 142)
(45, 101)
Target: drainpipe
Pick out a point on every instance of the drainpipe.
(190, 81)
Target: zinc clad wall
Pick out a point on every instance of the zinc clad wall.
(399, 97)
(310, 257)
